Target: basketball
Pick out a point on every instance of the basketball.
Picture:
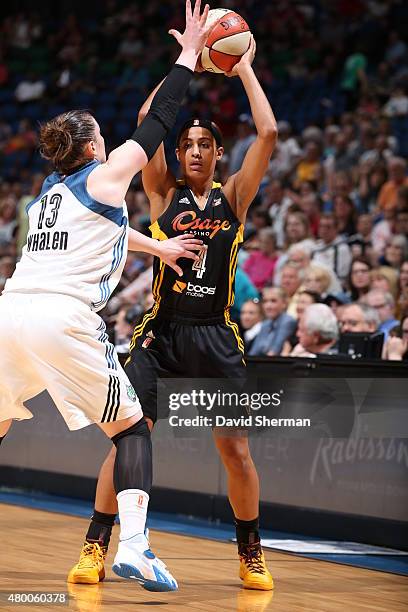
(227, 42)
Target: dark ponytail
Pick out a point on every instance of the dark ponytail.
(63, 139)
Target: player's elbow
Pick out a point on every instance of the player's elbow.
(141, 116)
(269, 132)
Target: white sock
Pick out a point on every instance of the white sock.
(132, 505)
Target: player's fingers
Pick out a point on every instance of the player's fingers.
(176, 35)
(204, 16)
(184, 236)
(190, 255)
(189, 237)
(208, 29)
(197, 8)
(189, 12)
(176, 268)
(191, 246)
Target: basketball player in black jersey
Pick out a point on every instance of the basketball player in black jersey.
(188, 332)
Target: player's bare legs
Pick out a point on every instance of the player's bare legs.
(125, 483)
(112, 429)
(243, 482)
(243, 495)
(105, 498)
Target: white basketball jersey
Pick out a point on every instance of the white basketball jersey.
(75, 245)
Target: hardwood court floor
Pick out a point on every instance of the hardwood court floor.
(37, 549)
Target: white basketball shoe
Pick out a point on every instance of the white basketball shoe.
(136, 561)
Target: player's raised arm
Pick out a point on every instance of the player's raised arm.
(156, 176)
(242, 187)
(109, 182)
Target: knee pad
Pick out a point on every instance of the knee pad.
(137, 429)
(133, 463)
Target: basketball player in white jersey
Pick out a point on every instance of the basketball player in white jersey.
(50, 335)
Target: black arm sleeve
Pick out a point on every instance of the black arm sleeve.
(163, 110)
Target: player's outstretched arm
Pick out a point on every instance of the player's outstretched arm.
(242, 187)
(158, 180)
(109, 182)
(169, 250)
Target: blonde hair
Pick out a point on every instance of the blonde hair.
(320, 272)
(390, 275)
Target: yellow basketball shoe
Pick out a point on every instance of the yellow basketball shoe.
(252, 568)
(90, 567)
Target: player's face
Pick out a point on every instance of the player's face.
(198, 153)
(98, 144)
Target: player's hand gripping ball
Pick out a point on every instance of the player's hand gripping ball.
(228, 41)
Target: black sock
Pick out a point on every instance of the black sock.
(2, 438)
(100, 529)
(247, 531)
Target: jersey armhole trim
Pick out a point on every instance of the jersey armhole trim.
(76, 183)
(157, 232)
(48, 183)
(232, 211)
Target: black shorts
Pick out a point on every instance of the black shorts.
(173, 349)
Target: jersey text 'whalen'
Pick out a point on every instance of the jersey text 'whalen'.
(75, 245)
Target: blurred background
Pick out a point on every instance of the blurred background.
(326, 242)
(322, 281)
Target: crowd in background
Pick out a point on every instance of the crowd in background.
(326, 241)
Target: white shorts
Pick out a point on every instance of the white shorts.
(55, 342)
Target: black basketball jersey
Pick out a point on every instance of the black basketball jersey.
(206, 289)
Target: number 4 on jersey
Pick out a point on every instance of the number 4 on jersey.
(199, 264)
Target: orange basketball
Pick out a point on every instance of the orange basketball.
(227, 42)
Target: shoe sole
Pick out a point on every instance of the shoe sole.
(129, 571)
(257, 586)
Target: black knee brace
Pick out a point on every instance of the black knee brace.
(133, 464)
